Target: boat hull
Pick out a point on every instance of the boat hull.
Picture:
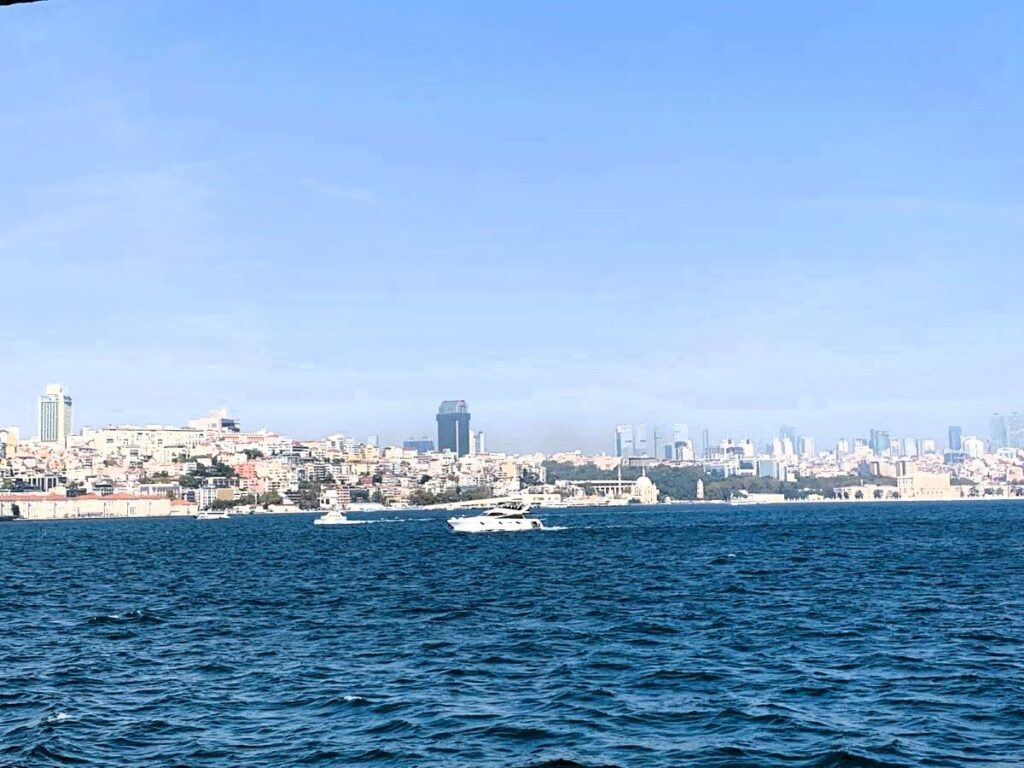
(485, 525)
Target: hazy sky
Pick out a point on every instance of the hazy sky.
(330, 216)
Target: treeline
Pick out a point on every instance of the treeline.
(424, 498)
(681, 482)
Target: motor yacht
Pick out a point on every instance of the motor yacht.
(335, 516)
(212, 514)
(507, 516)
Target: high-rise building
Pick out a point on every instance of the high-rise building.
(624, 447)
(807, 447)
(789, 432)
(842, 447)
(879, 442)
(1015, 430)
(422, 445)
(680, 433)
(640, 439)
(956, 435)
(705, 443)
(997, 432)
(631, 440)
(453, 427)
(54, 415)
(481, 444)
(973, 447)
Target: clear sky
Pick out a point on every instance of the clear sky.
(329, 216)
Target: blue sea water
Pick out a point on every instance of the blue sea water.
(833, 635)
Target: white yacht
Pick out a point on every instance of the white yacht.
(507, 516)
(212, 514)
(335, 516)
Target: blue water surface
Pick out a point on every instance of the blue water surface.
(803, 635)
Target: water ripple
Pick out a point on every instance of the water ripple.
(811, 636)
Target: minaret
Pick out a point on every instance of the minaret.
(700, 489)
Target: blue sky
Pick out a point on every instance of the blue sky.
(330, 216)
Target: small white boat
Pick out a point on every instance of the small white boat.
(212, 514)
(508, 516)
(335, 516)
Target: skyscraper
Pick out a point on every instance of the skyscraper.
(453, 427)
(879, 442)
(624, 441)
(705, 438)
(640, 439)
(997, 431)
(956, 435)
(1015, 430)
(680, 433)
(789, 432)
(54, 415)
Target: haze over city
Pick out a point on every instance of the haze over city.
(329, 218)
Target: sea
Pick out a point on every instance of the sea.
(785, 635)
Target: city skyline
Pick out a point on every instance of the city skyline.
(643, 435)
(474, 210)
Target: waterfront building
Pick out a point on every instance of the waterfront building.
(54, 415)
(956, 439)
(644, 490)
(912, 484)
(453, 427)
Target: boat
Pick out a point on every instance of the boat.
(335, 516)
(508, 516)
(212, 514)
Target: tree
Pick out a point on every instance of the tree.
(188, 481)
(253, 453)
(878, 493)
(273, 497)
(859, 495)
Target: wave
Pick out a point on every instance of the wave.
(137, 616)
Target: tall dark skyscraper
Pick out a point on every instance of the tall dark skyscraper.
(453, 427)
(956, 442)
